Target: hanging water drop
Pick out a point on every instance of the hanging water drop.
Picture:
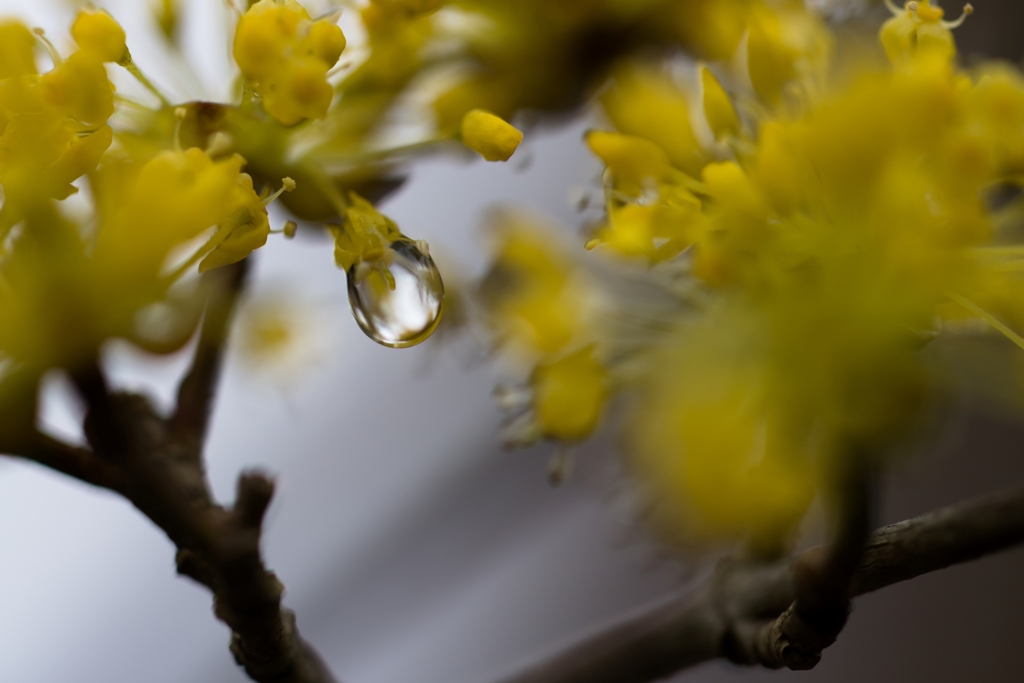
(397, 298)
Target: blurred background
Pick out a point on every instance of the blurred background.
(412, 547)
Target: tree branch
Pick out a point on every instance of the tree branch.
(725, 617)
(80, 463)
(157, 464)
(822, 580)
(197, 389)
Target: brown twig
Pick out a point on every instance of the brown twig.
(80, 463)
(822, 580)
(157, 464)
(197, 389)
(724, 618)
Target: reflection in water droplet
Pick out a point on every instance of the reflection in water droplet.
(397, 299)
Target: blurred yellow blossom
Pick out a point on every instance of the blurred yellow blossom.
(919, 28)
(569, 395)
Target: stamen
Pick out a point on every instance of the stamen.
(959, 21)
(220, 144)
(54, 55)
(560, 465)
(130, 67)
(287, 185)
(180, 113)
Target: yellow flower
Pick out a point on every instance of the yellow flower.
(490, 136)
(298, 90)
(649, 105)
(714, 448)
(633, 161)
(532, 295)
(246, 227)
(569, 395)
(51, 126)
(919, 29)
(365, 235)
(782, 45)
(656, 232)
(171, 199)
(287, 55)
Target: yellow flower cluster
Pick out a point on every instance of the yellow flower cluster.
(815, 231)
(286, 57)
(781, 233)
(66, 287)
(53, 125)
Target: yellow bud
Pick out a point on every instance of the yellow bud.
(569, 395)
(490, 136)
(718, 107)
(263, 35)
(98, 32)
(327, 42)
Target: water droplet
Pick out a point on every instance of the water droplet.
(397, 299)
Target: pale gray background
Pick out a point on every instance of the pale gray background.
(414, 550)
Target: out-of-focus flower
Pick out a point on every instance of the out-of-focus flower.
(282, 338)
(813, 239)
(919, 28)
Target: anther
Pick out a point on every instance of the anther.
(287, 185)
(220, 144)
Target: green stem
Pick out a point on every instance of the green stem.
(134, 70)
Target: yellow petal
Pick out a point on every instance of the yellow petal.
(718, 107)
